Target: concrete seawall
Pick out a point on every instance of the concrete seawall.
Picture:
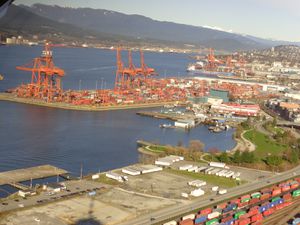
(67, 106)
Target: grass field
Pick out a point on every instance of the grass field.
(211, 179)
(156, 148)
(264, 145)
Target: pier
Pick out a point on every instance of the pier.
(170, 116)
(19, 175)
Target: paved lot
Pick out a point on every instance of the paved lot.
(73, 188)
(108, 207)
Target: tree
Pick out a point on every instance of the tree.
(274, 160)
(247, 157)
(196, 146)
(224, 157)
(274, 122)
(292, 155)
(180, 143)
(213, 150)
(237, 157)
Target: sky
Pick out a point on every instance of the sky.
(274, 19)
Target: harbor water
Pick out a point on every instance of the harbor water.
(32, 135)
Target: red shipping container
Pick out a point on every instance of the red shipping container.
(245, 196)
(225, 219)
(268, 212)
(222, 206)
(287, 197)
(199, 215)
(242, 204)
(237, 201)
(254, 201)
(285, 188)
(206, 211)
(265, 196)
(297, 179)
(257, 217)
(280, 206)
(294, 186)
(257, 223)
(244, 221)
(186, 222)
(245, 216)
(287, 204)
(266, 190)
(276, 191)
(253, 212)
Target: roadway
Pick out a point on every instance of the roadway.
(213, 199)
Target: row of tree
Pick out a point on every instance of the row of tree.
(237, 158)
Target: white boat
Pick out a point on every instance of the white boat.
(164, 125)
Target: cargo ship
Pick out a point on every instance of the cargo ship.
(199, 68)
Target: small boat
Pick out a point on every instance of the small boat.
(164, 125)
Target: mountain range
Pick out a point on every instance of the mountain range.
(111, 25)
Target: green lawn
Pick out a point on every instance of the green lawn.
(273, 129)
(156, 148)
(104, 179)
(211, 179)
(263, 144)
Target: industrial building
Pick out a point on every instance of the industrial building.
(237, 109)
(186, 124)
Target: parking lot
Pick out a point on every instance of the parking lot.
(72, 188)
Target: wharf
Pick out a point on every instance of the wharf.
(159, 115)
(19, 175)
(62, 105)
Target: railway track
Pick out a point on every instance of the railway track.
(280, 217)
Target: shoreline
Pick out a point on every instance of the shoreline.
(66, 106)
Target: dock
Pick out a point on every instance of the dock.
(19, 175)
(158, 115)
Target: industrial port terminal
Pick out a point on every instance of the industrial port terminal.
(134, 87)
(168, 189)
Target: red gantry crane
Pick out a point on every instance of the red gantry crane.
(130, 77)
(45, 77)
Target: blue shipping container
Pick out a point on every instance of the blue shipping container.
(230, 222)
(201, 219)
(263, 208)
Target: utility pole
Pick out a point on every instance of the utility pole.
(81, 170)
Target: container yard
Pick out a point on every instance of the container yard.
(134, 87)
(143, 188)
(251, 208)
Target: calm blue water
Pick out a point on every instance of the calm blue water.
(87, 65)
(32, 135)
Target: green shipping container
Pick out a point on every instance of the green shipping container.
(256, 195)
(275, 199)
(238, 214)
(211, 222)
(245, 200)
(296, 193)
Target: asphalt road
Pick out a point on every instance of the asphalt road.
(171, 212)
